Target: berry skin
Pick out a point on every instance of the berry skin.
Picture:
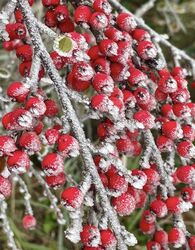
(90, 236)
(113, 34)
(172, 130)
(117, 183)
(139, 196)
(5, 188)
(18, 162)
(61, 13)
(102, 6)
(93, 248)
(24, 69)
(38, 128)
(164, 144)
(191, 242)
(153, 245)
(126, 22)
(57, 60)
(102, 65)
(188, 132)
(52, 135)
(176, 237)
(125, 145)
(139, 178)
(181, 110)
(29, 222)
(51, 108)
(108, 47)
(30, 141)
(142, 96)
(180, 96)
(174, 205)
(118, 72)
(72, 198)
(188, 194)
(144, 119)
(161, 237)
(56, 181)
(7, 145)
(16, 30)
(100, 102)
(82, 14)
(146, 50)
(124, 204)
(76, 84)
(68, 146)
(137, 77)
(36, 106)
(50, 3)
(52, 164)
(107, 238)
(66, 26)
(98, 21)
(82, 71)
(50, 19)
(186, 174)
(167, 84)
(24, 52)
(185, 149)
(140, 35)
(18, 91)
(159, 208)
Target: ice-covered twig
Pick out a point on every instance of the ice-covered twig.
(145, 8)
(6, 226)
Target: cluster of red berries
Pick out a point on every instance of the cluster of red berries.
(132, 93)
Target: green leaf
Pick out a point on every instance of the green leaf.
(65, 44)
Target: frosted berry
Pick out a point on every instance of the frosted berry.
(56, 181)
(52, 135)
(161, 237)
(5, 188)
(107, 238)
(126, 22)
(146, 50)
(188, 194)
(29, 222)
(164, 143)
(98, 21)
(82, 14)
(16, 30)
(50, 3)
(36, 106)
(172, 130)
(102, 6)
(61, 13)
(153, 245)
(159, 208)
(7, 145)
(186, 174)
(176, 237)
(18, 162)
(144, 119)
(17, 91)
(108, 47)
(72, 198)
(24, 52)
(90, 236)
(51, 108)
(82, 71)
(30, 141)
(68, 146)
(185, 149)
(52, 164)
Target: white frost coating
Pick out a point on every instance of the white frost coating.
(185, 206)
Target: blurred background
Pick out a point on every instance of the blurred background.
(176, 18)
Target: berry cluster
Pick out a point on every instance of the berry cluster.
(143, 110)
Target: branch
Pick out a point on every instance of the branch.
(145, 8)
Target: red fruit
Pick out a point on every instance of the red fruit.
(124, 204)
(50, 19)
(125, 145)
(140, 35)
(24, 52)
(104, 179)
(179, 71)
(38, 128)
(7, 145)
(30, 141)
(119, 72)
(5, 187)
(94, 52)
(66, 26)
(181, 110)
(186, 174)
(188, 132)
(57, 60)
(100, 102)
(164, 144)
(167, 84)
(180, 96)
(105, 129)
(139, 196)
(52, 164)
(117, 182)
(146, 50)
(77, 85)
(148, 217)
(113, 34)
(29, 222)
(137, 77)
(17, 91)
(172, 130)
(51, 108)
(90, 236)
(36, 106)
(108, 47)
(98, 21)
(176, 237)
(93, 248)
(24, 69)
(50, 3)
(61, 13)
(129, 99)
(139, 178)
(185, 149)
(126, 22)
(108, 239)
(72, 198)
(167, 110)
(102, 6)
(191, 242)
(52, 135)
(160, 96)
(174, 205)
(188, 194)
(82, 14)
(153, 245)
(161, 237)
(56, 181)
(82, 71)
(159, 208)
(68, 146)
(16, 30)
(102, 65)
(18, 16)
(147, 228)
(142, 96)
(144, 119)
(21, 119)
(103, 83)
(11, 45)
(18, 162)
(153, 177)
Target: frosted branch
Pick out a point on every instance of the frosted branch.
(145, 8)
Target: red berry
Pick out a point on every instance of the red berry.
(188, 132)
(82, 14)
(167, 84)
(51, 108)
(153, 245)
(61, 13)
(103, 83)
(98, 21)
(107, 238)
(57, 60)
(124, 204)
(18, 91)
(50, 19)
(126, 22)
(144, 119)
(117, 182)
(140, 35)
(50, 3)
(164, 144)
(56, 181)
(174, 205)
(52, 135)
(161, 237)
(72, 198)
(52, 164)
(36, 106)
(16, 30)
(102, 6)
(90, 236)
(18, 16)
(66, 26)
(146, 50)
(172, 130)
(159, 208)
(24, 52)
(176, 237)
(125, 145)
(5, 187)
(29, 222)
(30, 141)
(113, 34)
(137, 77)
(18, 162)
(68, 146)
(191, 242)
(188, 194)
(108, 47)
(102, 65)
(186, 174)
(185, 149)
